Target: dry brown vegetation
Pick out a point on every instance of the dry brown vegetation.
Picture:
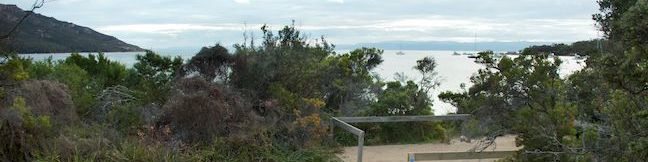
(200, 111)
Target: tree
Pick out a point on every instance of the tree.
(597, 114)
(351, 76)
(612, 90)
(213, 63)
(512, 95)
(401, 98)
(153, 75)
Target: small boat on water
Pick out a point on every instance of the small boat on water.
(512, 53)
(579, 57)
(498, 56)
(400, 50)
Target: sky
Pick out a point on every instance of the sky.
(158, 24)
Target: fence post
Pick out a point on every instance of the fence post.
(360, 146)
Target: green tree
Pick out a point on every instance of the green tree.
(511, 96)
(403, 99)
(212, 63)
(152, 76)
(611, 90)
(596, 114)
(107, 73)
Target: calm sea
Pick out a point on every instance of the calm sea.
(452, 69)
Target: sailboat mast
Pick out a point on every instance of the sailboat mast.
(475, 43)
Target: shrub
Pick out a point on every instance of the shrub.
(152, 77)
(80, 86)
(48, 98)
(22, 133)
(107, 73)
(199, 111)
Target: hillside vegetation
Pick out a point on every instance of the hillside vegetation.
(270, 102)
(42, 34)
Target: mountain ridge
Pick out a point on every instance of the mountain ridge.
(43, 34)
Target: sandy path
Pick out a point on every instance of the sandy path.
(398, 153)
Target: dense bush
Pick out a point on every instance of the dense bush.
(38, 111)
(259, 103)
(200, 111)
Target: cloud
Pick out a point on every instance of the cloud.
(186, 22)
(168, 29)
(433, 28)
(242, 1)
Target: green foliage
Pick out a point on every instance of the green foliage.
(511, 96)
(284, 60)
(41, 69)
(582, 48)
(396, 100)
(612, 87)
(80, 85)
(152, 76)
(107, 73)
(611, 11)
(597, 114)
(351, 77)
(125, 118)
(407, 98)
(22, 133)
(30, 121)
(14, 69)
(211, 63)
(260, 103)
(557, 49)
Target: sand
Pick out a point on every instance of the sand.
(394, 153)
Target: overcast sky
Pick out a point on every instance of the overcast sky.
(191, 23)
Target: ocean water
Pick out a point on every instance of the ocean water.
(453, 70)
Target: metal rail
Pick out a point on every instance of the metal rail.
(458, 155)
(388, 119)
(343, 122)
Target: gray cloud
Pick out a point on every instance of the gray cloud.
(175, 23)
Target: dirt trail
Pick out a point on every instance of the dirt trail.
(398, 153)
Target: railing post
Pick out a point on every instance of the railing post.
(360, 146)
(411, 158)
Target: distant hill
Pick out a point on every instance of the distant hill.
(445, 45)
(42, 34)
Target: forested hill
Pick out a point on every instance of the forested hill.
(42, 34)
